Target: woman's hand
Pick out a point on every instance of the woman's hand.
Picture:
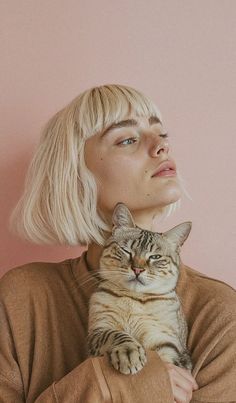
(182, 383)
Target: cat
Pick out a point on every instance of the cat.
(135, 306)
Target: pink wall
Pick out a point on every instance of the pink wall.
(181, 54)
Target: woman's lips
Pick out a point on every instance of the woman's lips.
(166, 168)
(166, 172)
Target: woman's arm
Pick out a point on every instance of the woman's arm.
(215, 369)
(95, 380)
(23, 376)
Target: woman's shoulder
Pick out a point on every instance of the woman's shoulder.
(207, 296)
(213, 284)
(32, 276)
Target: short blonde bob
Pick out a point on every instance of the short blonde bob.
(59, 201)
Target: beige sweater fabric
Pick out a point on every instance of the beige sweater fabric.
(43, 349)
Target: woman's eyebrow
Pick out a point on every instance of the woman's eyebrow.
(129, 123)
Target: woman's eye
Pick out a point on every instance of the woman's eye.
(133, 140)
(130, 140)
(164, 135)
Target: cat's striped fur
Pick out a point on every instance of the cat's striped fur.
(136, 307)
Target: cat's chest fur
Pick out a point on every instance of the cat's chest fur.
(143, 319)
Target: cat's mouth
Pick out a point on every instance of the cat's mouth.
(139, 280)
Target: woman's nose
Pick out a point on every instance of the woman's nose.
(159, 146)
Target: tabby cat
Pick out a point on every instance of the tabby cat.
(135, 306)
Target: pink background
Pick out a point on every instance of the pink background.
(180, 53)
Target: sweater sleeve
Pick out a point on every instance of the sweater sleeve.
(215, 370)
(96, 381)
(93, 380)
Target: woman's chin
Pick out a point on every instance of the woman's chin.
(166, 191)
(169, 195)
(173, 196)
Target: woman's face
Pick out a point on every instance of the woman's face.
(124, 159)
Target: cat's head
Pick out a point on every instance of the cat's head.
(141, 260)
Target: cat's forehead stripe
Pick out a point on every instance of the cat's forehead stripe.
(144, 239)
(132, 244)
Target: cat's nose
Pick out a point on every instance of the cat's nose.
(137, 270)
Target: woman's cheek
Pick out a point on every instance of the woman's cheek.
(112, 171)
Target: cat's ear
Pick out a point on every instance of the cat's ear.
(122, 216)
(179, 234)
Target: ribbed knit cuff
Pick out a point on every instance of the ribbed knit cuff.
(152, 383)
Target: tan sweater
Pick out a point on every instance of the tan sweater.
(43, 328)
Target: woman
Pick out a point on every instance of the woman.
(107, 145)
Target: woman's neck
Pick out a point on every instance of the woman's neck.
(142, 219)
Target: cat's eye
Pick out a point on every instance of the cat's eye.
(155, 257)
(126, 251)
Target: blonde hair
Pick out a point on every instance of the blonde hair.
(59, 202)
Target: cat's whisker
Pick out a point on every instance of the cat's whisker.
(86, 275)
(90, 279)
(112, 272)
(117, 273)
(86, 282)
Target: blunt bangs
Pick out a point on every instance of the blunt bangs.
(109, 104)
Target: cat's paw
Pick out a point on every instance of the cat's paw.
(184, 361)
(128, 358)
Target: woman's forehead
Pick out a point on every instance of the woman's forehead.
(120, 117)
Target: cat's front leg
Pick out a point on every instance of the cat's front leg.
(170, 353)
(126, 354)
(128, 358)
